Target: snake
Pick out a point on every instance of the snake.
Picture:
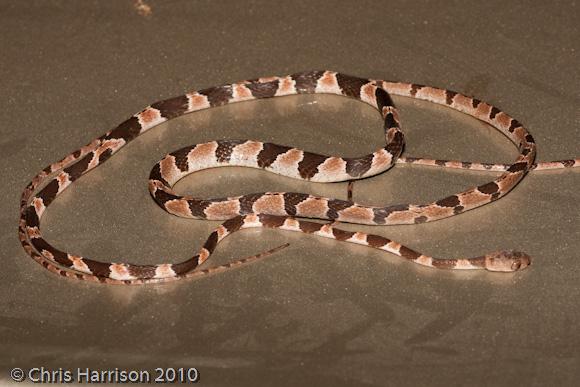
(282, 210)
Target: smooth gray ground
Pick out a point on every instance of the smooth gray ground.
(320, 312)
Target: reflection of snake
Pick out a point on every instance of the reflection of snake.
(277, 209)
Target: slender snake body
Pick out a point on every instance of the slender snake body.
(280, 209)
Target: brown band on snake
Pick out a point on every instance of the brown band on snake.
(272, 209)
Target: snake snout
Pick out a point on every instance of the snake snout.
(507, 261)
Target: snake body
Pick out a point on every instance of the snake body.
(279, 209)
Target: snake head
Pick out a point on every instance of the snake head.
(507, 261)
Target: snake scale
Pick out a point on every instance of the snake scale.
(279, 210)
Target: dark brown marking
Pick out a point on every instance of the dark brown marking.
(77, 169)
(291, 200)
(161, 197)
(440, 162)
(415, 87)
(458, 209)
(172, 107)
(48, 193)
(263, 90)
(395, 146)
(308, 166)
(518, 167)
(449, 95)
(218, 96)
(59, 256)
(98, 269)
(104, 156)
(306, 82)
(185, 266)
(127, 130)
(380, 214)
(335, 206)
(225, 148)
(449, 201)
(26, 194)
(48, 170)
(155, 174)
(181, 158)
(397, 208)
(444, 263)
(350, 85)
(211, 242)
(489, 188)
(247, 201)
(141, 271)
(271, 221)
(420, 219)
(513, 125)
(197, 207)
(310, 227)
(390, 121)
(269, 153)
(568, 163)
(359, 166)
(494, 112)
(383, 99)
(341, 235)
(377, 241)
(31, 217)
(530, 139)
(234, 224)
(475, 102)
(408, 253)
(349, 190)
